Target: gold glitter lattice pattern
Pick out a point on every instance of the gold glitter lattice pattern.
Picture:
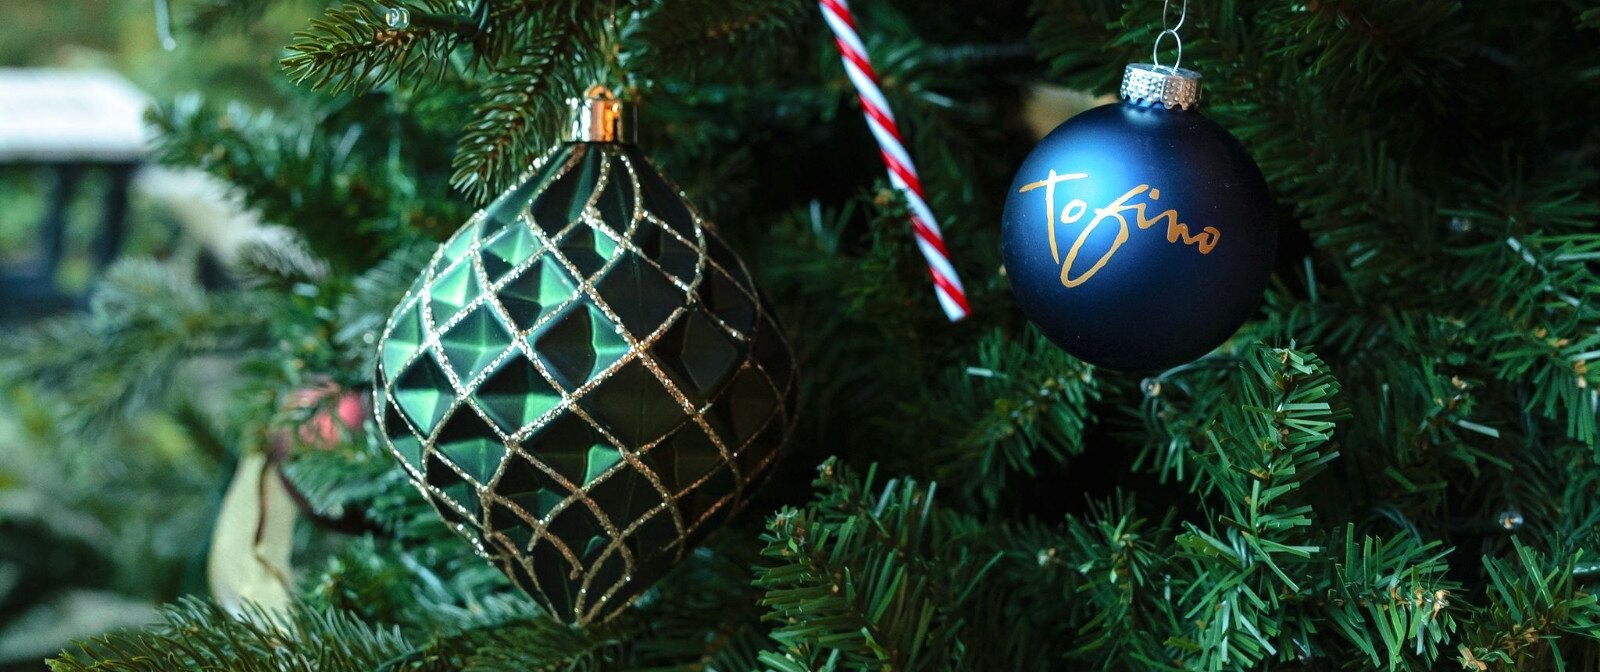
(585, 381)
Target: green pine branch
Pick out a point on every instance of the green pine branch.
(199, 635)
(1535, 258)
(853, 579)
(352, 47)
(1389, 598)
(517, 117)
(325, 172)
(1023, 402)
(701, 616)
(124, 355)
(1538, 614)
(527, 59)
(1262, 446)
(1117, 577)
(689, 37)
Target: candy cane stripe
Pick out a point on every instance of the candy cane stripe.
(902, 171)
(875, 117)
(867, 90)
(837, 12)
(858, 59)
(939, 267)
(926, 235)
(950, 294)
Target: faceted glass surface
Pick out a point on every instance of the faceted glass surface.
(585, 380)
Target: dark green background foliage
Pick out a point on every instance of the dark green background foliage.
(1323, 493)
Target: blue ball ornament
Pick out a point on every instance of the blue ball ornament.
(1139, 235)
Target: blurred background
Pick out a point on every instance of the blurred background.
(93, 537)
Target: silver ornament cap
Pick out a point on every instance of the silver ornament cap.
(599, 116)
(1149, 84)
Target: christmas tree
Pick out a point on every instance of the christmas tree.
(1392, 465)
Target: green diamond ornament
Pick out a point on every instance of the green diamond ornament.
(585, 381)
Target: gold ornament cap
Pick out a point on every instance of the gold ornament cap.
(1149, 84)
(599, 116)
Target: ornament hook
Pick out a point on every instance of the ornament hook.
(1169, 28)
(164, 26)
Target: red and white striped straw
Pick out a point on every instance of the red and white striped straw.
(902, 172)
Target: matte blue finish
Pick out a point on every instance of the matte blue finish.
(1156, 300)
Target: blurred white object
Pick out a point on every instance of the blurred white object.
(75, 614)
(206, 207)
(211, 212)
(57, 116)
(251, 544)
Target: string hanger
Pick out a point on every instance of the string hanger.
(1169, 28)
(611, 49)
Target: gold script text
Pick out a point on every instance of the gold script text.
(1074, 210)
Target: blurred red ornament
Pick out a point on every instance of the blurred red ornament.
(336, 412)
(331, 414)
